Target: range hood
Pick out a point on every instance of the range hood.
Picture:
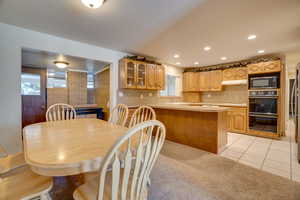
(235, 82)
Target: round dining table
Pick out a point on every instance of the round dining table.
(70, 147)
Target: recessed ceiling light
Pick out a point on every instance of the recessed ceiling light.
(261, 51)
(93, 3)
(223, 58)
(196, 63)
(61, 64)
(251, 37)
(207, 48)
(176, 56)
(178, 63)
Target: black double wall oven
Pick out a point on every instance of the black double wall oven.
(263, 103)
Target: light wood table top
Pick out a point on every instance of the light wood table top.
(69, 147)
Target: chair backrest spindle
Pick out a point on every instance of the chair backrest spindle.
(138, 151)
(60, 111)
(142, 114)
(119, 115)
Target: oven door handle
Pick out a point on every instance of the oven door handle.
(263, 97)
(293, 101)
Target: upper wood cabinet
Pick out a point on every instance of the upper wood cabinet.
(151, 71)
(141, 75)
(210, 81)
(190, 82)
(160, 77)
(264, 67)
(215, 80)
(128, 73)
(141, 72)
(156, 77)
(202, 81)
(239, 73)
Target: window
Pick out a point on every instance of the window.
(172, 87)
(30, 84)
(90, 81)
(56, 80)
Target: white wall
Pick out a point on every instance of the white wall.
(175, 71)
(12, 40)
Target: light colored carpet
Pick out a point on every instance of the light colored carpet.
(185, 173)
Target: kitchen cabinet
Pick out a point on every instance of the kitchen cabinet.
(237, 120)
(264, 67)
(210, 81)
(128, 73)
(215, 80)
(160, 77)
(239, 73)
(141, 75)
(202, 81)
(151, 71)
(156, 77)
(190, 82)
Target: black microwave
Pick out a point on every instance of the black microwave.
(264, 82)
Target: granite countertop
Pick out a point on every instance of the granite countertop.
(212, 104)
(204, 108)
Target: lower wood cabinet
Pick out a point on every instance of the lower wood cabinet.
(237, 120)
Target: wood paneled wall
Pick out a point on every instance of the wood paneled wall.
(57, 95)
(77, 87)
(102, 80)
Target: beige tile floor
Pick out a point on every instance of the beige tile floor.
(275, 156)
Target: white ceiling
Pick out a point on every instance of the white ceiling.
(42, 59)
(161, 28)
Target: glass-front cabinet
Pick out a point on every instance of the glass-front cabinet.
(130, 74)
(141, 75)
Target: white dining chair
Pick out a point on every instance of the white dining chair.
(125, 170)
(60, 111)
(142, 114)
(119, 115)
(11, 162)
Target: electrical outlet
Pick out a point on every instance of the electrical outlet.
(141, 96)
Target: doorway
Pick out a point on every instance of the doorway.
(34, 101)
(45, 83)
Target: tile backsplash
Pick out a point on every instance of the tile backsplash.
(230, 94)
(142, 97)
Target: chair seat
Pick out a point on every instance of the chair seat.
(23, 183)
(2, 152)
(11, 162)
(88, 191)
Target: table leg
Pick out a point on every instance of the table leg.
(64, 186)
